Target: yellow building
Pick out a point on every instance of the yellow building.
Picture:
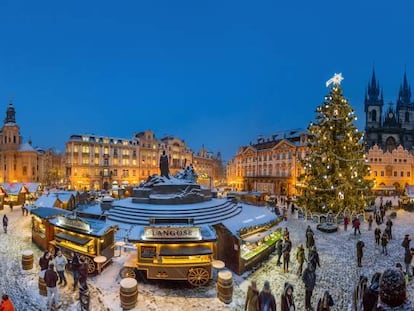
(97, 162)
(270, 165)
(391, 171)
(209, 168)
(18, 161)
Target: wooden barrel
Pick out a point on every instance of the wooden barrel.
(42, 287)
(27, 259)
(225, 286)
(128, 293)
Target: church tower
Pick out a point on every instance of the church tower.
(405, 109)
(10, 138)
(373, 112)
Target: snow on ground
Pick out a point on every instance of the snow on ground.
(338, 273)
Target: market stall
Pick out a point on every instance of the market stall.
(86, 236)
(173, 252)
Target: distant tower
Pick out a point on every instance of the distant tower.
(374, 102)
(404, 105)
(10, 138)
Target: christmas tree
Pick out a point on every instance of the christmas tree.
(335, 165)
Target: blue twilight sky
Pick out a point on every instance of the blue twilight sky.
(217, 73)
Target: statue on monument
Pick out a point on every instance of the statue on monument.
(165, 171)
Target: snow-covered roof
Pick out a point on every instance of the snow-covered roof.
(48, 212)
(32, 187)
(46, 201)
(251, 215)
(12, 188)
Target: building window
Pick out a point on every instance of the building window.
(96, 161)
(382, 173)
(85, 149)
(408, 174)
(402, 174)
(24, 170)
(115, 172)
(133, 173)
(85, 161)
(395, 174)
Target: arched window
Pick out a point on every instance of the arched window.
(374, 115)
(407, 116)
(390, 144)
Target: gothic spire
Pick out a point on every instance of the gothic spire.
(373, 87)
(404, 95)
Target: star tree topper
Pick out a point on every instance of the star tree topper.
(336, 79)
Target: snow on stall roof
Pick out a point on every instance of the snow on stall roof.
(12, 188)
(32, 187)
(251, 215)
(98, 227)
(46, 201)
(48, 212)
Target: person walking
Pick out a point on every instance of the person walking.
(356, 224)
(325, 302)
(74, 266)
(384, 242)
(346, 222)
(279, 248)
(252, 298)
(359, 292)
(378, 218)
(389, 227)
(407, 260)
(370, 220)
(406, 242)
(313, 258)
(360, 252)
(267, 301)
(287, 302)
(51, 278)
(6, 303)
(287, 246)
(60, 263)
(377, 233)
(310, 241)
(300, 257)
(5, 223)
(309, 279)
(370, 297)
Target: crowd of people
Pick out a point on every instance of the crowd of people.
(53, 271)
(385, 291)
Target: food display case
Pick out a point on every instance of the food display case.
(258, 241)
(173, 252)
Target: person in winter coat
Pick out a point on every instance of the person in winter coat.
(406, 242)
(370, 220)
(346, 223)
(252, 298)
(359, 292)
(51, 278)
(407, 260)
(83, 273)
(325, 302)
(384, 242)
(378, 218)
(74, 266)
(389, 227)
(287, 247)
(377, 233)
(44, 261)
(287, 302)
(309, 279)
(313, 258)
(300, 257)
(279, 248)
(60, 264)
(370, 297)
(267, 301)
(6, 304)
(286, 234)
(310, 241)
(5, 223)
(393, 292)
(360, 252)
(356, 224)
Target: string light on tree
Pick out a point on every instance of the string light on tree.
(336, 159)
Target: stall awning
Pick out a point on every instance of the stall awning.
(184, 250)
(72, 238)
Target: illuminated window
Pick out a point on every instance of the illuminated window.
(106, 141)
(125, 161)
(85, 149)
(125, 152)
(96, 149)
(85, 160)
(75, 148)
(134, 161)
(96, 161)
(106, 150)
(115, 161)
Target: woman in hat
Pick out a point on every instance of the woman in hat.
(286, 300)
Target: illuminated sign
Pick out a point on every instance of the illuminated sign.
(172, 233)
(76, 223)
(148, 251)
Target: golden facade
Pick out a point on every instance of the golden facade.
(390, 170)
(270, 165)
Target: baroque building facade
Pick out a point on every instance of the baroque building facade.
(97, 162)
(269, 165)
